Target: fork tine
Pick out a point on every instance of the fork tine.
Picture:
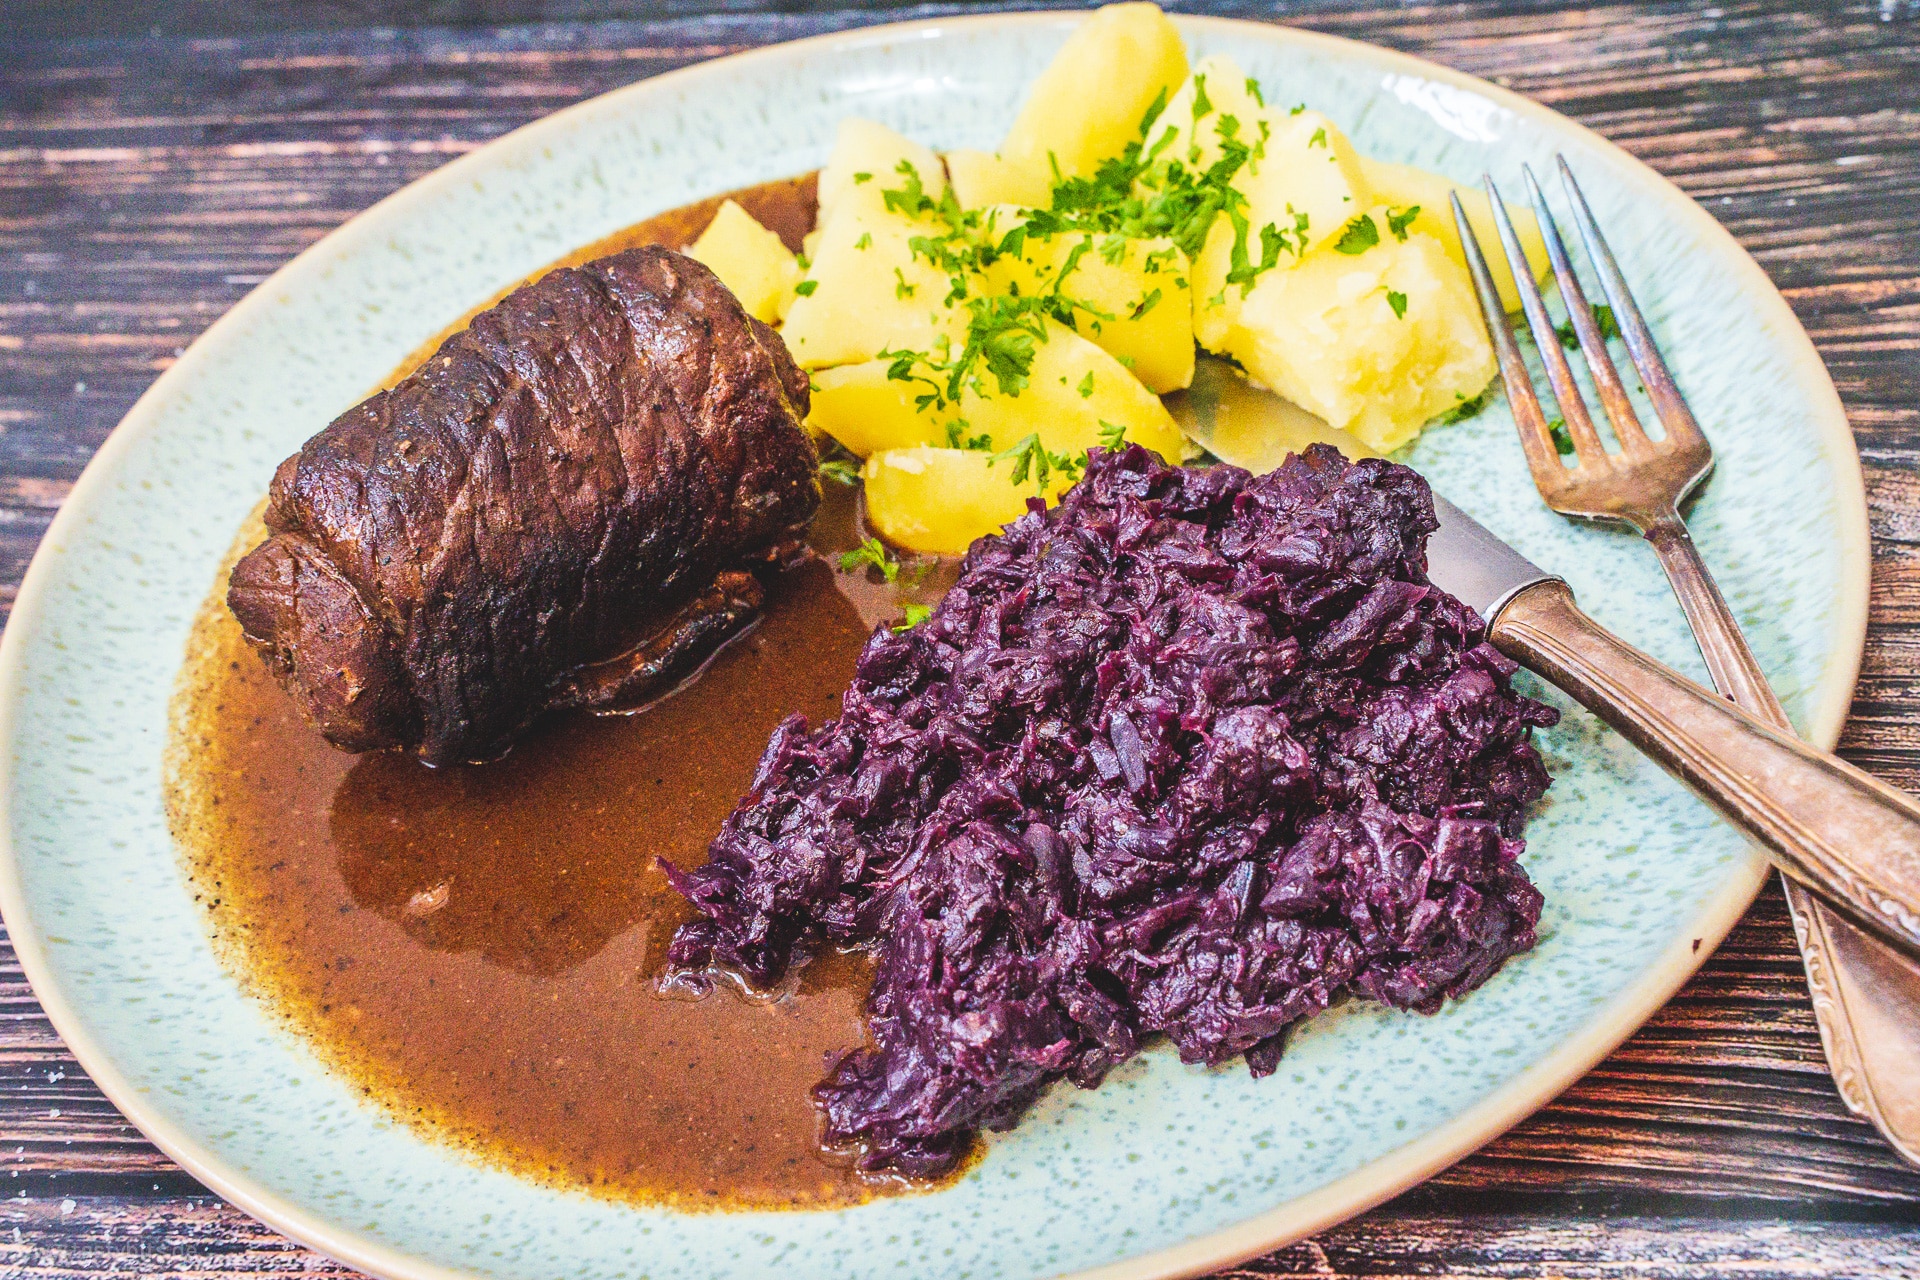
(1606, 379)
(1535, 440)
(1573, 409)
(1668, 404)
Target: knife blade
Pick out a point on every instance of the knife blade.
(1849, 838)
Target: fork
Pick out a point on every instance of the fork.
(1866, 997)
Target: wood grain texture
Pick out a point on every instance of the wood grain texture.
(148, 181)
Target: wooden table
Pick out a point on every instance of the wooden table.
(150, 175)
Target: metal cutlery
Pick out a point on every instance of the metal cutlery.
(1854, 840)
(1866, 996)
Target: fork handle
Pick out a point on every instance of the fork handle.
(1735, 671)
(1850, 838)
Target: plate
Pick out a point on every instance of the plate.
(1166, 1169)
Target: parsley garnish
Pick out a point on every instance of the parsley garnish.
(871, 552)
(859, 178)
(957, 437)
(1319, 138)
(841, 471)
(1465, 409)
(1031, 458)
(1112, 434)
(806, 287)
(1360, 235)
(1562, 439)
(1253, 91)
(913, 615)
(1202, 104)
(1398, 301)
(1146, 304)
(1399, 222)
(1603, 319)
(1143, 194)
(902, 289)
(1086, 385)
(865, 241)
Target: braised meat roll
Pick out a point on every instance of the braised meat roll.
(561, 507)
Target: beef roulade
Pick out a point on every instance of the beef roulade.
(559, 508)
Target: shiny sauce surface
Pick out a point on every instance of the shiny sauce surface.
(478, 948)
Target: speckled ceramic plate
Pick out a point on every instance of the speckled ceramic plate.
(1166, 1169)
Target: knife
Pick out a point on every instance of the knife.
(1851, 839)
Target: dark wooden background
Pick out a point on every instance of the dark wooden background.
(158, 159)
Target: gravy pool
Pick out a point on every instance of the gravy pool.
(477, 948)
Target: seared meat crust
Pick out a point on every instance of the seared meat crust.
(555, 488)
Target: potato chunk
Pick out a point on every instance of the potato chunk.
(1136, 295)
(980, 179)
(1377, 343)
(1074, 392)
(939, 500)
(750, 260)
(1403, 186)
(1301, 177)
(869, 412)
(1090, 101)
(867, 292)
(866, 162)
(1075, 396)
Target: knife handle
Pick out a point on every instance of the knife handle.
(1848, 837)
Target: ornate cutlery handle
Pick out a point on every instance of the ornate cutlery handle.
(1848, 837)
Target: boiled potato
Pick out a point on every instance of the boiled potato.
(1116, 279)
(981, 179)
(1403, 186)
(867, 293)
(750, 260)
(1326, 335)
(869, 412)
(1072, 389)
(1306, 183)
(1217, 91)
(1309, 169)
(1075, 391)
(938, 501)
(866, 163)
(1090, 101)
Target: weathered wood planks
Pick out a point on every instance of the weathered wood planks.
(146, 183)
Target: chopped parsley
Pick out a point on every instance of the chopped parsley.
(1361, 235)
(1562, 438)
(902, 289)
(1603, 319)
(1253, 91)
(871, 552)
(865, 241)
(1398, 301)
(1399, 220)
(859, 178)
(1112, 434)
(841, 471)
(957, 437)
(1145, 305)
(1465, 409)
(806, 287)
(1086, 385)
(1032, 459)
(1319, 138)
(913, 615)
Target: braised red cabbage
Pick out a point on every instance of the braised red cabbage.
(1188, 755)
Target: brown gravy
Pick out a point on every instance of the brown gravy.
(476, 948)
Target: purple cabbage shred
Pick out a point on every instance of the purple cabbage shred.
(1189, 755)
